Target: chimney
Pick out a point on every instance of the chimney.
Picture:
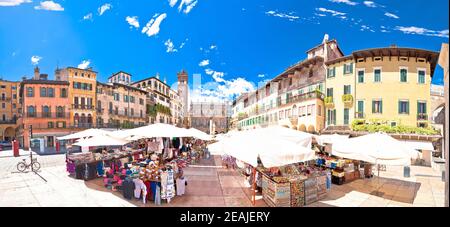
(36, 73)
(325, 38)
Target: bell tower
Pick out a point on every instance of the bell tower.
(183, 91)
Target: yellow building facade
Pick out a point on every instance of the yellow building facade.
(388, 85)
(10, 109)
(82, 94)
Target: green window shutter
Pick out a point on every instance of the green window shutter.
(351, 67)
(373, 106)
(418, 107)
(344, 69)
(399, 107)
(381, 106)
(407, 107)
(334, 71)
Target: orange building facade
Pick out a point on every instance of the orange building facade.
(46, 108)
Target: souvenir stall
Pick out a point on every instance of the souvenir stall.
(265, 155)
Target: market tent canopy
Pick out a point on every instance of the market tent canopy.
(419, 145)
(154, 130)
(83, 134)
(330, 139)
(199, 134)
(273, 149)
(377, 148)
(101, 140)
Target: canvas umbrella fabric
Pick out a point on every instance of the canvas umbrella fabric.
(156, 130)
(83, 134)
(101, 140)
(199, 134)
(330, 139)
(377, 148)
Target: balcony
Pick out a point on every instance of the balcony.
(360, 115)
(8, 122)
(82, 107)
(422, 117)
(329, 102)
(347, 99)
(58, 115)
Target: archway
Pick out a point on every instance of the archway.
(311, 129)
(9, 134)
(294, 127)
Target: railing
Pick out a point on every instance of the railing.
(123, 114)
(6, 122)
(100, 110)
(5, 99)
(422, 117)
(47, 115)
(82, 107)
(87, 125)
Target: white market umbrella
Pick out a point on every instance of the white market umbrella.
(377, 148)
(156, 130)
(100, 141)
(330, 139)
(199, 134)
(83, 134)
(273, 150)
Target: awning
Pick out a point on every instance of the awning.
(419, 145)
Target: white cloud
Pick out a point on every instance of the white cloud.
(182, 44)
(49, 5)
(152, 27)
(332, 12)
(172, 3)
(170, 47)
(348, 2)
(391, 15)
(133, 21)
(422, 31)
(212, 47)
(204, 63)
(102, 9)
(35, 59)
(84, 64)
(13, 2)
(261, 75)
(223, 91)
(320, 14)
(217, 76)
(88, 16)
(289, 16)
(370, 4)
(190, 4)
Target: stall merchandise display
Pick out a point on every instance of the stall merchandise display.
(298, 193)
(276, 194)
(311, 191)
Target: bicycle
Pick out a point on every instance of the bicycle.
(34, 164)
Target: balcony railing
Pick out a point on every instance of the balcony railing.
(5, 99)
(100, 110)
(47, 115)
(422, 117)
(329, 102)
(347, 99)
(82, 107)
(6, 122)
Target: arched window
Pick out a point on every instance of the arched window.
(46, 111)
(30, 92)
(89, 119)
(31, 110)
(59, 111)
(76, 119)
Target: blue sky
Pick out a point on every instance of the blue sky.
(239, 43)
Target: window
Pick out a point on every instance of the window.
(125, 98)
(361, 76)
(421, 107)
(31, 110)
(329, 92)
(403, 107)
(14, 96)
(59, 111)
(116, 97)
(46, 111)
(141, 101)
(331, 72)
(347, 89)
(377, 106)
(404, 75)
(377, 75)
(63, 93)
(13, 105)
(421, 76)
(83, 103)
(132, 112)
(43, 92)
(50, 124)
(30, 92)
(331, 117)
(3, 105)
(393, 123)
(84, 86)
(360, 113)
(346, 116)
(348, 68)
(132, 99)
(50, 92)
